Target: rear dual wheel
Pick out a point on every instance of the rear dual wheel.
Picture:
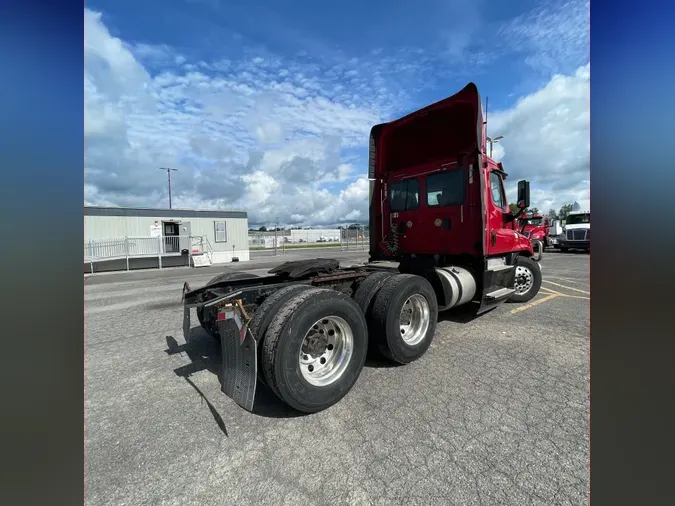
(402, 311)
(404, 316)
(314, 348)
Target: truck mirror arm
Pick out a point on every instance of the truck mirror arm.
(512, 217)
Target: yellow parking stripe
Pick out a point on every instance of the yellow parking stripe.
(549, 290)
(566, 287)
(535, 303)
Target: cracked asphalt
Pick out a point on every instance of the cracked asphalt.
(496, 412)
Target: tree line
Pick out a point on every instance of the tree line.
(353, 226)
(552, 214)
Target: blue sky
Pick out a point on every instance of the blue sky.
(266, 106)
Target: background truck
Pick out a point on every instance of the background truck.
(441, 235)
(537, 229)
(577, 229)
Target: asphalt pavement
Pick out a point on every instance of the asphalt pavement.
(496, 412)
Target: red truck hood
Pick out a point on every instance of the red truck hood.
(444, 130)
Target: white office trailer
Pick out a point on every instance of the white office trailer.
(121, 237)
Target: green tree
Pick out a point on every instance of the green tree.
(535, 211)
(552, 215)
(564, 211)
(262, 229)
(514, 209)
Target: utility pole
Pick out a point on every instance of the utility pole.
(276, 226)
(168, 172)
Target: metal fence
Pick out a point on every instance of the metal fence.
(285, 240)
(115, 248)
(293, 238)
(354, 239)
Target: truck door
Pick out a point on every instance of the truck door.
(449, 226)
(500, 238)
(185, 233)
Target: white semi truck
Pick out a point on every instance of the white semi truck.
(576, 232)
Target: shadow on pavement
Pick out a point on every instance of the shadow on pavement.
(568, 252)
(462, 314)
(205, 355)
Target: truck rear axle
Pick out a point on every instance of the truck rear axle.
(305, 329)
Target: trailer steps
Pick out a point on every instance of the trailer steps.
(502, 267)
(500, 294)
(201, 259)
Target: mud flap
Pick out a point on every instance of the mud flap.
(239, 367)
(186, 323)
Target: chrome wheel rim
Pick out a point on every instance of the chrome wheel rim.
(326, 351)
(524, 280)
(415, 319)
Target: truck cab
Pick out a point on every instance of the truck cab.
(537, 229)
(438, 201)
(577, 229)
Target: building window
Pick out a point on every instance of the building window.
(446, 188)
(221, 231)
(404, 195)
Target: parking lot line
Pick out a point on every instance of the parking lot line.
(535, 303)
(548, 290)
(566, 287)
(566, 279)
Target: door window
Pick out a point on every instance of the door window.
(497, 190)
(446, 188)
(404, 195)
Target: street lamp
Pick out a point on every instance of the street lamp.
(494, 141)
(168, 172)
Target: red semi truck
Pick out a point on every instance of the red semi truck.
(441, 235)
(537, 229)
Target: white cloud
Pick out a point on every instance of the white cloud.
(281, 139)
(546, 140)
(554, 36)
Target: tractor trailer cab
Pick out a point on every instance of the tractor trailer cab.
(441, 236)
(577, 229)
(537, 229)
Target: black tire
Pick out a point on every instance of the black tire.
(564, 250)
(386, 313)
(266, 312)
(368, 288)
(210, 326)
(284, 338)
(531, 265)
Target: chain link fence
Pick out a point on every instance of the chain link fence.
(285, 240)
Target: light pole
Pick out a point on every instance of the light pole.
(276, 226)
(168, 172)
(494, 141)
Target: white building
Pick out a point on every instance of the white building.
(119, 233)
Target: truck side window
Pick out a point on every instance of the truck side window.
(497, 190)
(404, 195)
(446, 188)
